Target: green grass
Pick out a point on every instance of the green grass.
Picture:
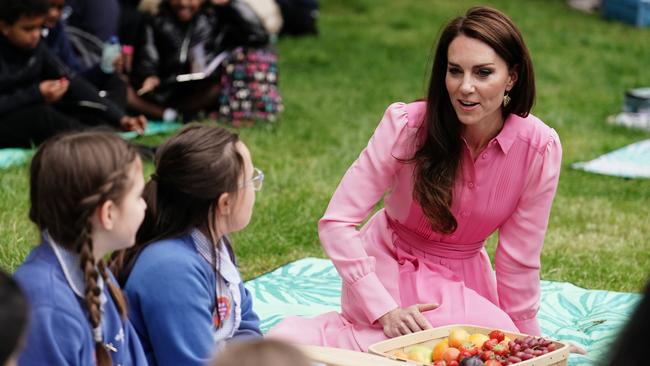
(373, 52)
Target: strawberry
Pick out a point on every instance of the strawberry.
(487, 355)
(500, 349)
(488, 345)
(497, 334)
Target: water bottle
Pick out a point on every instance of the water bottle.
(110, 52)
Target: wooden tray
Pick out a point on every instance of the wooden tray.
(431, 337)
(341, 357)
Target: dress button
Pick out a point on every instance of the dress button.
(470, 184)
(453, 236)
(464, 214)
(484, 156)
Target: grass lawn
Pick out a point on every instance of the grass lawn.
(373, 52)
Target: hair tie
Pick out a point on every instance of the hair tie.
(155, 177)
(97, 334)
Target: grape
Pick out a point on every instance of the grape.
(514, 359)
(526, 356)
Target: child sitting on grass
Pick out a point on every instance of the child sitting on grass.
(86, 200)
(183, 38)
(184, 289)
(38, 96)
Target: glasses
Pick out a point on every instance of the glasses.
(256, 180)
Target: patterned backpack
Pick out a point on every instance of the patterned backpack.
(249, 87)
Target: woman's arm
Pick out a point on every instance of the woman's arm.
(521, 237)
(363, 185)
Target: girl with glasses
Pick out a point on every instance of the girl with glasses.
(181, 279)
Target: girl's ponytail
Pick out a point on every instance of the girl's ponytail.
(92, 294)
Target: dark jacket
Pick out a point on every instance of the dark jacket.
(21, 72)
(167, 45)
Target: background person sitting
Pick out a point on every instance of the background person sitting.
(184, 37)
(38, 97)
(57, 40)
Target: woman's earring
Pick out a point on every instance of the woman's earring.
(506, 99)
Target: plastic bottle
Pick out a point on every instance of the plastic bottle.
(110, 52)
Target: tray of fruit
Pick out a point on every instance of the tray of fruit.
(468, 345)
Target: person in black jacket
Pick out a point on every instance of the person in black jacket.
(57, 40)
(185, 37)
(38, 94)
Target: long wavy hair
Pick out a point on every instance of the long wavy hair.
(438, 159)
(193, 169)
(71, 176)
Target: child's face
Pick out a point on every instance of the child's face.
(25, 33)
(130, 211)
(54, 14)
(185, 9)
(245, 197)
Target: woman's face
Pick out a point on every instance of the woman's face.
(477, 78)
(185, 9)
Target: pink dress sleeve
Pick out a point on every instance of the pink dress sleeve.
(521, 237)
(361, 188)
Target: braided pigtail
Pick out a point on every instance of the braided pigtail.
(116, 293)
(92, 293)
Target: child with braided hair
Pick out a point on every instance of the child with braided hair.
(86, 198)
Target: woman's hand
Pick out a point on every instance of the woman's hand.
(401, 321)
(149, 84)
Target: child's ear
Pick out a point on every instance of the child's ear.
(105, 215)
(224, 206)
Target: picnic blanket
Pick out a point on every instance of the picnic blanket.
(311, 286)
(632, 161)
(15, 157)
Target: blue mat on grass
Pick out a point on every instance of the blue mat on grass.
(16, 157)
(632, 161)
(311, 286)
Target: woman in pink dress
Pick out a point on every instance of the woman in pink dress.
(466, 162)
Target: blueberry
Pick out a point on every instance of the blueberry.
(471, 361)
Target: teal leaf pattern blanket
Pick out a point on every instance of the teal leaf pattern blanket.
(589, 318)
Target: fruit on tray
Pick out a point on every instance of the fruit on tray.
(464, 349)
(478, 339)
(458, 336)
(419, 353)
(439, 349)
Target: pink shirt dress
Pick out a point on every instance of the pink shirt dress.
(396, 259)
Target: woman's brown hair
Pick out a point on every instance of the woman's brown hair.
(71, 176)
(437, 160)
(193, 169)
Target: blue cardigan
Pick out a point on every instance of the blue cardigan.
(171, 294)
(59, 330)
